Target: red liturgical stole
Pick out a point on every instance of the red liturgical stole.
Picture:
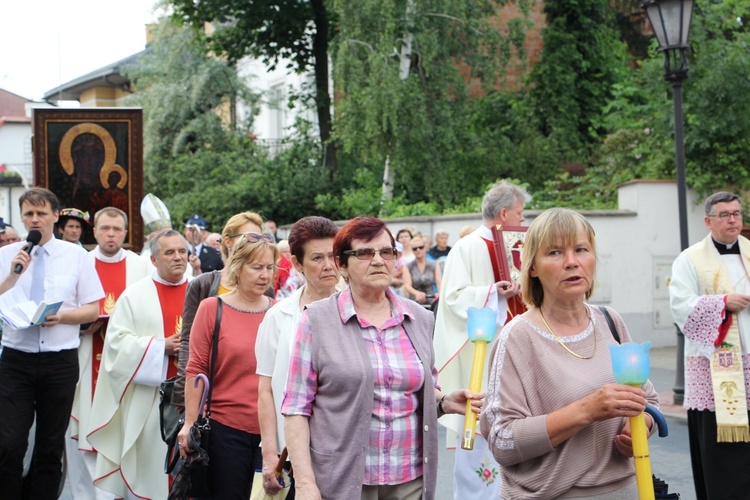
(515, 304)
(113, 276)
(172, 300)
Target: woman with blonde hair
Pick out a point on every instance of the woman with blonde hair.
(422, 277)
(209, 285)
(234, 449)
(554, 417)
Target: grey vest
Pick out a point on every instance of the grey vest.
(341, 411)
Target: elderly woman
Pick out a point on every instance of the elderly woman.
(362, 400)
(209, 285)
(422, 277)
(234, 452)
(554, 416)
(311, 246)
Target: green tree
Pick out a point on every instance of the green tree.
(640, 123)
(582, 58)
(184, 92)
(403, 73)
(274, 30)
(717, 114)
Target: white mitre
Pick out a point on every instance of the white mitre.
(155, 214)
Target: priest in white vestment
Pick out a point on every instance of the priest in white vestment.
(117, 268)
(140, 350)
(470, 280)
(709, 294)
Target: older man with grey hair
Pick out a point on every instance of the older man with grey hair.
(471, 279)
(140, 351)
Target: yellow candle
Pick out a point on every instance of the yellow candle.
(639, 435)
(475, 386)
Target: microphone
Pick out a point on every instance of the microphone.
(33, 239)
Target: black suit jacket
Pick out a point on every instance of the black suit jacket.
(210, 259)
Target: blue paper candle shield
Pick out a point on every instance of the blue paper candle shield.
(630, 362)
(482, 324)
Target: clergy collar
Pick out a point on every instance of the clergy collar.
(485, 232)
(164, 282)
(119, 256)
(725, 249)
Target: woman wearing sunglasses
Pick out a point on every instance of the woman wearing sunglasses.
(422, 276)
(362, 400)
(210, 285)
(234, 448)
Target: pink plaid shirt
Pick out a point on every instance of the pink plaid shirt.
(394, 452)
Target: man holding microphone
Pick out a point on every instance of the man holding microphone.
(39, 364)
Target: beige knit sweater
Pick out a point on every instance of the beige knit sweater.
(531, 376)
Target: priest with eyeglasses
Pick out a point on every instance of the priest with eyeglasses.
(709, 294)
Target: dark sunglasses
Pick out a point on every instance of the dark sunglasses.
(421, 247)
(254, 237)
(387, 253)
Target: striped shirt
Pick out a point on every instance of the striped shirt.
(394, 452)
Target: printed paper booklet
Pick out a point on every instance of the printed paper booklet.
(25, 313)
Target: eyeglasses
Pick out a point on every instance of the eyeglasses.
(420, 247)
(737, 214)
(387, 253)
(254, 237)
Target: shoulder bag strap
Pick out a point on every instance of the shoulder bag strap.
(611, 323)
(214, 353)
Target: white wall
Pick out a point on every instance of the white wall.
(274, 120)
(15, 147)
(636, 245)
(9, 210)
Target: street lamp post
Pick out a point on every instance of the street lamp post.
(670, 22)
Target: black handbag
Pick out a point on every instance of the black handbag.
(192, 478)
(170, 420)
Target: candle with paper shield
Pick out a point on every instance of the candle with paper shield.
(482, 325)
(630, 364)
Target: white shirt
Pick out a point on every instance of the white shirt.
(684, 293)
(70, 276)
(273, 350)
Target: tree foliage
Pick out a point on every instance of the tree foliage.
(198, 161)
(273, 31)
(449, 128)
(582, 58)
(717, 116)
(184, 92)
(404, 73)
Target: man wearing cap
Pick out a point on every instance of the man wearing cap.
(117, 268)
(9, 236)
(140, 351)
(210, 258)
(70, 224)
(39, 364)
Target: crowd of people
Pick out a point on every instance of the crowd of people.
(322, 345)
